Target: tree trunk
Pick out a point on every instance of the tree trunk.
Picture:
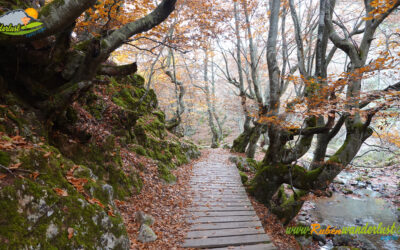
(214, 131)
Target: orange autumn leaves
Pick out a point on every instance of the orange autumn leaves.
(78, 184)
(11, 143)
(380, 7)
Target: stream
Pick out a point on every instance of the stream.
(358, 198)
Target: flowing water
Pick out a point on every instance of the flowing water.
(367, 206)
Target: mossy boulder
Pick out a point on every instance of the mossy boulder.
(34, 215)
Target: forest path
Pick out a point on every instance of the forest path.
(221, 215)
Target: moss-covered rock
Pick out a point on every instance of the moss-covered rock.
(71, 178)
(243, 177)
(35, 216)
(4, 158)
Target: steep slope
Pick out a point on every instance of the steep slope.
(60, 183)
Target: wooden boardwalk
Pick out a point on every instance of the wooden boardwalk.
(221, 215)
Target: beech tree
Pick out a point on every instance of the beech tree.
(51, 69)
(326, 112)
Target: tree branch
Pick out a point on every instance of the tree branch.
(123, 70)
(56, 16)
(118, 37)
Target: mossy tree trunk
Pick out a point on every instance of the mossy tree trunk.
(279, 165)
(50, 71)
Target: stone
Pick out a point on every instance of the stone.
(341, 240)
(51, 231)
(359, 222)
(338, 181)
(361, 184)
(366, 244)
(146, 234)
(304, 241)
(319, 237)
(143, 218)
(347, 191)
(110, 191)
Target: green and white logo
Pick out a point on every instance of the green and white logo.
(21, 22)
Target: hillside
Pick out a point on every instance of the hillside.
(65, 180)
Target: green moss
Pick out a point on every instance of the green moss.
(160, 115)
(45, 11)
(287, 210)
(243, 177)
(138, 80)
(4, 158)
(140, 150)
(165, 173)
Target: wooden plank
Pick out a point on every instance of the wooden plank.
(227, 241)
(268, 246)
(221, 204)
(221, 208)
(222, 199)
(211, 219)
(224, 232)
(226, 225)
(224, 213)
(219, 195)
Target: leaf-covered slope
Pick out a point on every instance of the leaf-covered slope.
(61, 183)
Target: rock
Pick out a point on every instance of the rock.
(109, 241)
(302, 218)
(304, 241)
(341, 239)
(51, 231)
(319, 237)
(361, 184)
(146, 234)
(359, 222)
(233, 159)
(143, 218)
(110, 191)
(353, 183)
(366, 244)
(368, 182)
(338, 181)
(347, 191)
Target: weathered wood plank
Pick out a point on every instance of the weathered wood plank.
(224, 213)
(219, 208)
(268, 246)
(211, 219)
(226, 225)
(221, 204)
(224, 232)
(221, 213)
(227, 241)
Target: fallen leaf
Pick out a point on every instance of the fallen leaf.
(46, 155)
(2, 176)
(110, 211)
(95, 201)
(15, 166)
(35, 175)
(70, 232)
(61, 192)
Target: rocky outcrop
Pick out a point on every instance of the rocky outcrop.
(60, 183)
